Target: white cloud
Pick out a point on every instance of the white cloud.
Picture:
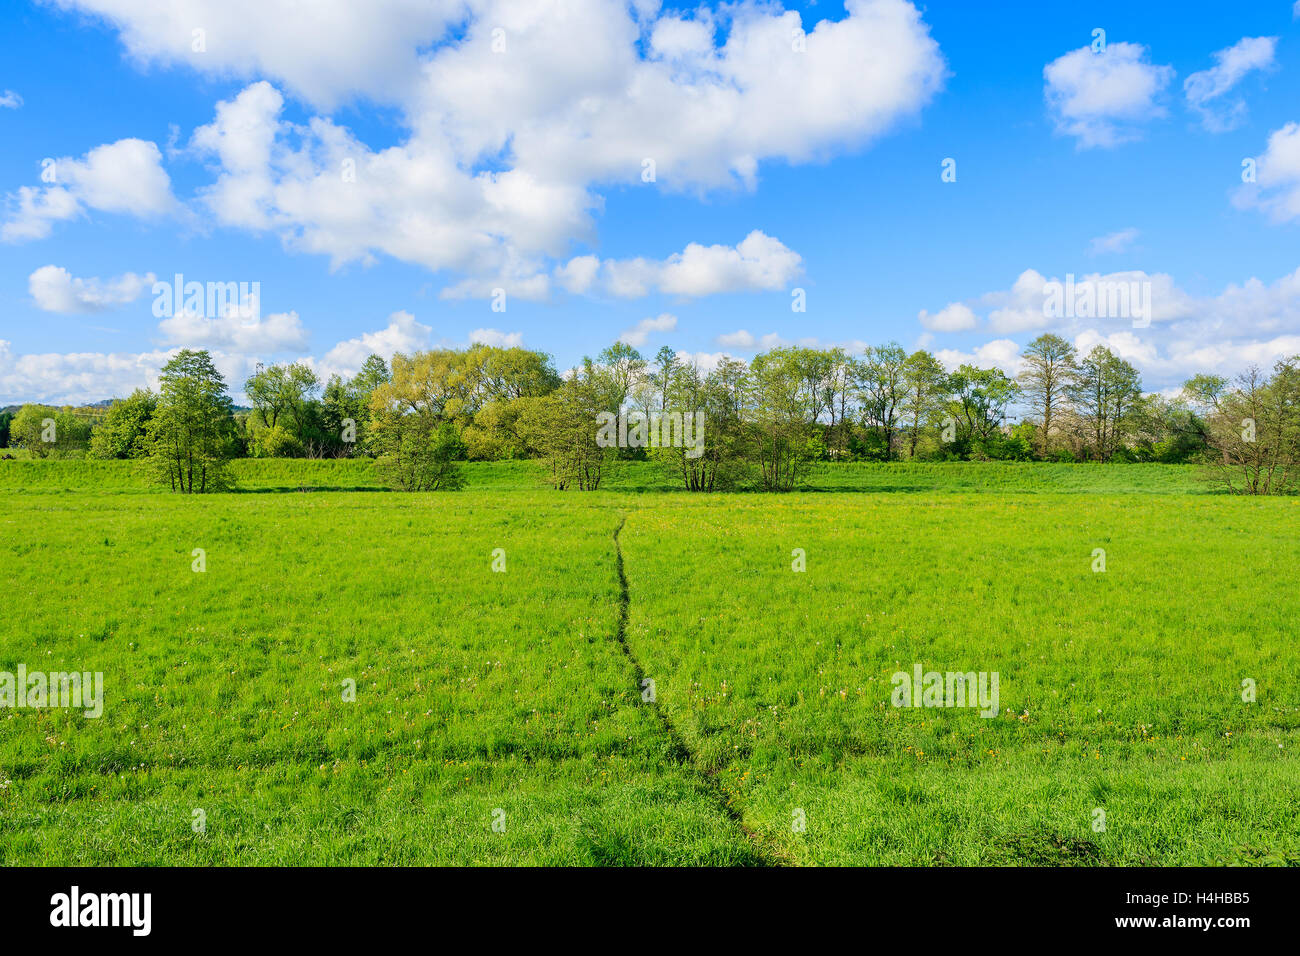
(502, 340)
(954, 317)
(76, 378)
(10, 100)
(122, 177)
(707, 361)
(1113, 243)
(758, 263)
(239, 335)
(402, 334)
(640, 333)
(55, 289)
(1276, 189)
(1252, 322)
(506, 152)
(1205, 90)
(1102, 99)
(338, 49)
(744, 339)
(1000, 353)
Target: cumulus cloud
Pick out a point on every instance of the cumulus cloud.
(76, 378)
(1252, 322)
(1207, 90)
(1000, 353)
(341, 50)
(1112, 243)
(55, 289)
(502, 340)
(240, 335)
(1276, 189)
(758, 263)
(1103, 99)
(640, 333)
(123, 177)
(402, 334)
(10, 100)
(955, 317)
(510, 137)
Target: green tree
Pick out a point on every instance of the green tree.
(883, 392)
(925, 394)
(191, 434)
(1254, 432)
(48, 432)
(1051, 367)
(124, 432)
(282, 395)
(412, 428)
(780, 430)
(980, 397)
(1106, 391)
(562, 427)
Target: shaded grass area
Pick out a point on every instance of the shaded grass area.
(261, 475)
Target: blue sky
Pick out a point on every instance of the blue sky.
(499, 169)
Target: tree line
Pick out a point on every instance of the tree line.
(765, 421)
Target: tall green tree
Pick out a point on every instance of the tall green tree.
(1106, 392)
(191, 434)
(980, 397)
(780, 427)
(925, 394)
(1047, 379)
(883, 393)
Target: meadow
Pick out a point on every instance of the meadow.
(501, 716)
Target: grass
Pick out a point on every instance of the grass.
(1119, 691)
(250, 474)
(520, 691)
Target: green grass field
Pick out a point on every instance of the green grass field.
(516, 696)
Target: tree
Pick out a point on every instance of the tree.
(1106, 391)
(1051, 367)
(780, 429)
(883, 393)
(618, 369)
(412, 421)
(980, 397)
(708, 410)
(1254, 432)
(666, 367)
(841, 389)
(6, 419)
(345, 407)
(192, 429)
(48, 432)
(561, 429)
(124, 432)
(283, 392)
(925, 392)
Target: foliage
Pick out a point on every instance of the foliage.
(192, 431)
(124, 431)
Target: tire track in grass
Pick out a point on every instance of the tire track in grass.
(767, 853)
